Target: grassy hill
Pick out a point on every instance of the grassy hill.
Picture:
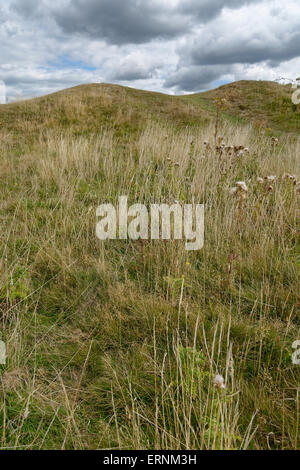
(117, 344)
(88, 108)
(267, 104)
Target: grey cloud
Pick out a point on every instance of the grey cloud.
(28, 8)
(196, 78)
(26, 83)
(128, 74)
(206, 10)
(128, 21)
(134, 66)
(121, 22)
(254, 49)
(222, 44)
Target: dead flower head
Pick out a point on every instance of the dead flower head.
(271, 179)
(219, 381)
(242, 186)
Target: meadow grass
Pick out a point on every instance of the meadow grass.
(116, 344)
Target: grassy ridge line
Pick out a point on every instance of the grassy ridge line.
(86, 107)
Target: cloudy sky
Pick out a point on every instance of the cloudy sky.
(173, 46)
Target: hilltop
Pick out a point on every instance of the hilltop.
(264, 103)
(90, 108)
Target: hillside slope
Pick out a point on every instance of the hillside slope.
(89, 108)
(268, 104)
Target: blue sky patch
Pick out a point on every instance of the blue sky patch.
(65, 62)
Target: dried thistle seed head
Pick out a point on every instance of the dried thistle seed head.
(242, 186)
(234, 190)
(288, 176)
(271, 178)
(176, 164)
(219, 381)
(260, 180)
(270, 188)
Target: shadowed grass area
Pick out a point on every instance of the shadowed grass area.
(116, 344)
